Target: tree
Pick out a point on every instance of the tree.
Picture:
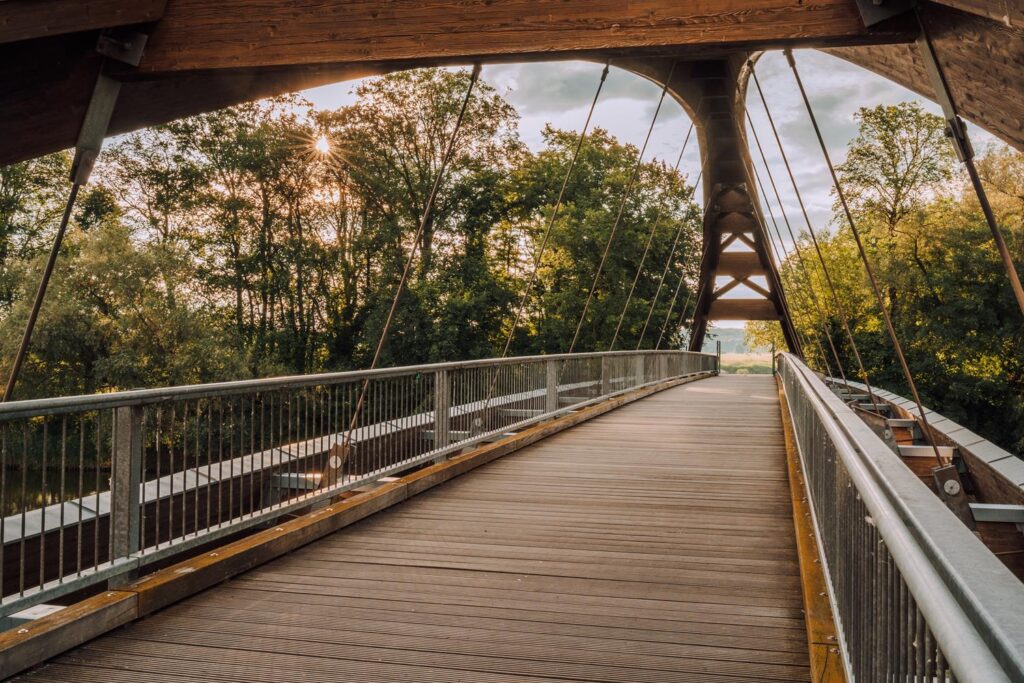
(898, 162)
(225, 245)
(952, 306)
(581, 232)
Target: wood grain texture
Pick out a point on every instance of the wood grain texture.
(199, 34)
(55, 633)
(983, 61)
(822, 634)
(25, 19)
(653, 543)
(1008, 12)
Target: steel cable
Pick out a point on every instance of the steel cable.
(37, 304)
(796, 245)
(622, 207)
(647, 247)
(330, 472)
(840, 309)
(887, 319)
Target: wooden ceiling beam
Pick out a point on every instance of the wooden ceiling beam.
(1010, 13)
(983, 62)
(27, 19)
(200, 34)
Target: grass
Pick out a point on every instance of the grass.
(746, 363)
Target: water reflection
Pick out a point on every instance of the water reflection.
(44, 488)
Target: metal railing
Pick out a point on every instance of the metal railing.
(92, 487)
(917, 596)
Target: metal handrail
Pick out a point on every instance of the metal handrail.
(914, 590)
(67, 404)
(132, 478)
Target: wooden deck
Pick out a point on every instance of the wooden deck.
(654, 543)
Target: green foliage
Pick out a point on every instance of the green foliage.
(942, 280)
(226, 245)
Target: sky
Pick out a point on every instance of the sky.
(560, 93)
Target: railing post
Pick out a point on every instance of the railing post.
(551, 382)
(638, 369)
(442, 410)
(663, 371)
(125, 481)
(606, 375)
(718, 357)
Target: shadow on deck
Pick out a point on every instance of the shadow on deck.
(654, 543)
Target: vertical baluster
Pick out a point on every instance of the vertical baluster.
(42, 503)
(24, 507)
(3, 505)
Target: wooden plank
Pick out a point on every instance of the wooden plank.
(822, 641)
(742, 309)
(739, 264)
(165, 587)
(55, 633)
(199, 34)
(983, 62)
(651, 544)
(26, 19)
(1006, 12)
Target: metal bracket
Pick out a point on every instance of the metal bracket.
(123, 46)
(951, 491)
(1006, 514)
(956, 129)
(876, 11)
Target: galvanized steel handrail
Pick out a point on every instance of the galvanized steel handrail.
(914, 590)
(66, 404)
(131, 478)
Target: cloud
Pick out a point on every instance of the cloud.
(559, 93)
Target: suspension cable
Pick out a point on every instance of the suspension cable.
(796, 245)
(840, 309)
(554, 213)
(664, 274)
(37, 304)
(961, 143)
(539, 256)
(622, 207)
(647, 247)
(781, 255)
(425, 217)
(686, 304)
(897, 347)
(773, 276)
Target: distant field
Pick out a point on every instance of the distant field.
(747, 363)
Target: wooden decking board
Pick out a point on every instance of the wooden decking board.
(457, 637)
(698, 618)
(400, 622)
(654, 543)
(714, 606)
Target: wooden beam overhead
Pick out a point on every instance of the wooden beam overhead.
(1010, 13)
(983, 62)
(27, 19)
(742, 309)
(200, 34)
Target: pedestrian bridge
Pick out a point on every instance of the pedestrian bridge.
(602, 517)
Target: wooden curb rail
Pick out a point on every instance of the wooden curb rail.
(822, 642)
(49, 636)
